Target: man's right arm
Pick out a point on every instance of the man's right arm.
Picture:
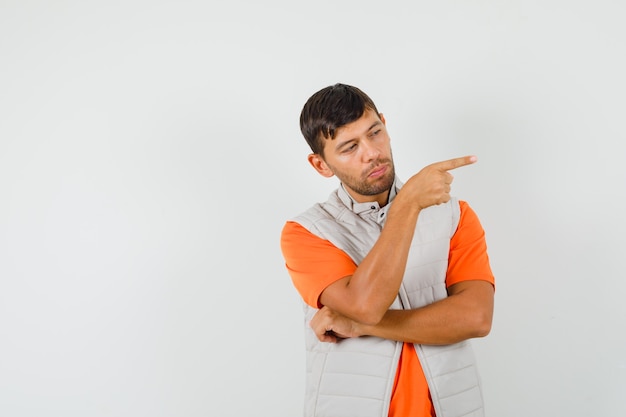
(366, 295)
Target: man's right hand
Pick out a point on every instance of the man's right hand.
(431, 186)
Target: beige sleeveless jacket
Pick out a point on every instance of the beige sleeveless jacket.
(355, 376)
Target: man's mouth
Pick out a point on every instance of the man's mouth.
(378, 171)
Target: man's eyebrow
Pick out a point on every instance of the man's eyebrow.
(345, 142)
(376, 123)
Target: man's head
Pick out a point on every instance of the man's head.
(328, 110)
(349, 139)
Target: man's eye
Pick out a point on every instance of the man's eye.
(376, 132)
(349, 148)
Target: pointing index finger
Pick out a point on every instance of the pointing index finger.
(455, 163)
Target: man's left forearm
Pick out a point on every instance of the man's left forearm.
(465, 314)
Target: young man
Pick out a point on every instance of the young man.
(395, 277)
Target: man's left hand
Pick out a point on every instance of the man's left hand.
(330, 326)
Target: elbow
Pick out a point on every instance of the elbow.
(369, 315)
(482, 325)
(369, 309)
(483, 330)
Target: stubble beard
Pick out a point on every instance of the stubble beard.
(363, 187)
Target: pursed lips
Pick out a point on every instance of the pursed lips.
(378, 171)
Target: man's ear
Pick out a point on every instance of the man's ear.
(320, 166)
(382, 118)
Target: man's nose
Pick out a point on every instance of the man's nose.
(370, 152)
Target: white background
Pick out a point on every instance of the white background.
(150, 154)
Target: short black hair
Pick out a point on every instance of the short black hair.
(329, 109)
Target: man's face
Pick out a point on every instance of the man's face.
(360, 156)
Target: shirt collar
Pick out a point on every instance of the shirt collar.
(359, 208)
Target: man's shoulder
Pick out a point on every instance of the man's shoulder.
(328, 210)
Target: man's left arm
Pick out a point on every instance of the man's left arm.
(466, 313)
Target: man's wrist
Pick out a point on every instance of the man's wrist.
(361, 329)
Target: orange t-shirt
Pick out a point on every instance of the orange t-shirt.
(315, 263)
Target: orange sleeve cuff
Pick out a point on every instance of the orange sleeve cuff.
(468, 259)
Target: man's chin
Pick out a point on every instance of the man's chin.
(380, 185)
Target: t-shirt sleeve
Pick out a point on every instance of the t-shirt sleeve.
(468, 259)
(312, 262)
